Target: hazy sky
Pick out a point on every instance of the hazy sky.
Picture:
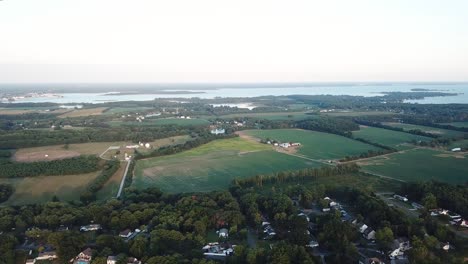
(233, 41)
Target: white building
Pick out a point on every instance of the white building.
(456, 149)
(218, 131)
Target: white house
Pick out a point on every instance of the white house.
(285, 145)
(362, 228)
(223, 232)
(369, 234)
(50, 255)
(111, 260)
(92, 227)
(218, 131)
(456, 149)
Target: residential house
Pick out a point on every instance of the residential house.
(401, 198)
(126, 233)
(217, 250)
(84, 257)
(399, 247)
(369, 234)
(285, 145)
(132, 260)
(92, 227)
(374, 261)
(49, 255)
(111, 260)
(218, 131)
(223, 232)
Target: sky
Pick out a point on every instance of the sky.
(145, 41)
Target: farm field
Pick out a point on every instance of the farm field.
(119, 110)
(421, 165)
(436, 131)
(272, 115)
(42, 188)
(213, 166)
(358, 113)
(59, 152)
(315, 145)
(398, 140)
(84, 112)
(162, 121)
(457, 124)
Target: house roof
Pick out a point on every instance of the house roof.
(223, 230)
(88, 252)
(111, 258)
(47, 253)
(125, 232)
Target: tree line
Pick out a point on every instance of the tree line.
(109, 169)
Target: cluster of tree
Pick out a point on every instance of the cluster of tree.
(6, 190)
(399, 129)
(76, 165)
(173, 225)
(109, 169)
(297, 176)
(33, 138)
(435, 143)
(332, 125)
(199, 140)
(368, 154)
(437, 194)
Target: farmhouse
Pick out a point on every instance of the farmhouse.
(218, 131)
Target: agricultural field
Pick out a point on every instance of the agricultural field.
(84, 112)
(457, 124)
(396, 139)
(120, 110)
(358, 113)
(272, 115)
(213, 166)
(315, 145)
(432, 130)
(55, 152)
(162, 121)
(42, 188)
(421, 165)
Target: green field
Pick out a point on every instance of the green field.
(162, 121)
(399, 140)
(315, 145)
(273, 115)
(213, 166)
(358, 113)
(42, 188)
(421, 165)
(457, 124)
(432, 130)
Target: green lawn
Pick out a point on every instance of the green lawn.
(421, 165)
(315, 145)
(213, 166)
(399, 140)
(436, 131)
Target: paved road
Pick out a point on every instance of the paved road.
(123, 179)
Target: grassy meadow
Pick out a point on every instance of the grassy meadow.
(396, 139)
(421, 165)
(315, 145)
(272, 115)
(42, 188)
(213, 166)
